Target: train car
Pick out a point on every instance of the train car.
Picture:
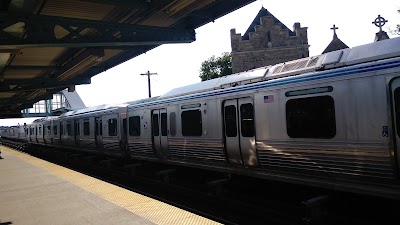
(329, 120)
(16, 133)
(98, 128)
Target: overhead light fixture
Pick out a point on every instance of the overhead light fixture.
(177, 5)
(84, 64)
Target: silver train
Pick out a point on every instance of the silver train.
(329, 121)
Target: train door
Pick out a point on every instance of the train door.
(240, 131)
(30, 133)
(160, 131)
(43, 132)
(395, 92)
(61, 133)
(98, 132)
(77, 132)
(37, 133)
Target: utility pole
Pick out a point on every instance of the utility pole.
(148, 79)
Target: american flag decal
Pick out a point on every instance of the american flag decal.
(268, 98)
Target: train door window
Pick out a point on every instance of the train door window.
(77, 128)
(156, 125)
(49, 130)
(134, 126)
(40, 130)
(191, 123)
(61, 129)
(55, 129)
(112, 127)
(164, 130)
(36, 131)
(172, 123)
(397, 109)
(247, 120)
(69, 129)
(230, 121)
(312, 117)
(124, 127)
(86, 127)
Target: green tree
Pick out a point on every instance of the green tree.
(216, 67)
(397, 30)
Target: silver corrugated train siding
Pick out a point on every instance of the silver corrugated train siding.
(366, 160)
(140, 146)
(197, 148)
(111, 143)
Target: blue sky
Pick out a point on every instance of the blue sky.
(178, 64)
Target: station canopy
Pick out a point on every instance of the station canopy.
(49, 45)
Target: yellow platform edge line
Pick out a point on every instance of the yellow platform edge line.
(151, 209)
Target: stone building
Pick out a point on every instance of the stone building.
(267, 42)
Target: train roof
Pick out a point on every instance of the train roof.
(385, 49)
(93, 109)
(44, 119)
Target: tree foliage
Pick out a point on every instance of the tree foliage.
(397, 30)
(216, 67)
(398, 25)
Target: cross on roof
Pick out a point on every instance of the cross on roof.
(380, 22)
(334, 28)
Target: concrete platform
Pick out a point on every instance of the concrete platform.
(33, 191)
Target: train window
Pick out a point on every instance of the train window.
(172, 123)
(49, 130)
(101, 128)
(191, 123)
(40, 130)
(134, 126)
(55, 129)
(156, 130)
(312, 117)
(36, 131)
(77, 128)
(86, 127)
(69, 129)
(112, 127)
(247, 120)
(230, 121)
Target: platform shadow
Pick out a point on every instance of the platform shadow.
(5, 223)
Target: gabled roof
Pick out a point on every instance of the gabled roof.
(257, 21)
(336, 44)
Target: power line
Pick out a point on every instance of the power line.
(148, 74)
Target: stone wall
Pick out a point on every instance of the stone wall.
(270, 44)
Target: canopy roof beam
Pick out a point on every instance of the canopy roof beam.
(50, 31)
